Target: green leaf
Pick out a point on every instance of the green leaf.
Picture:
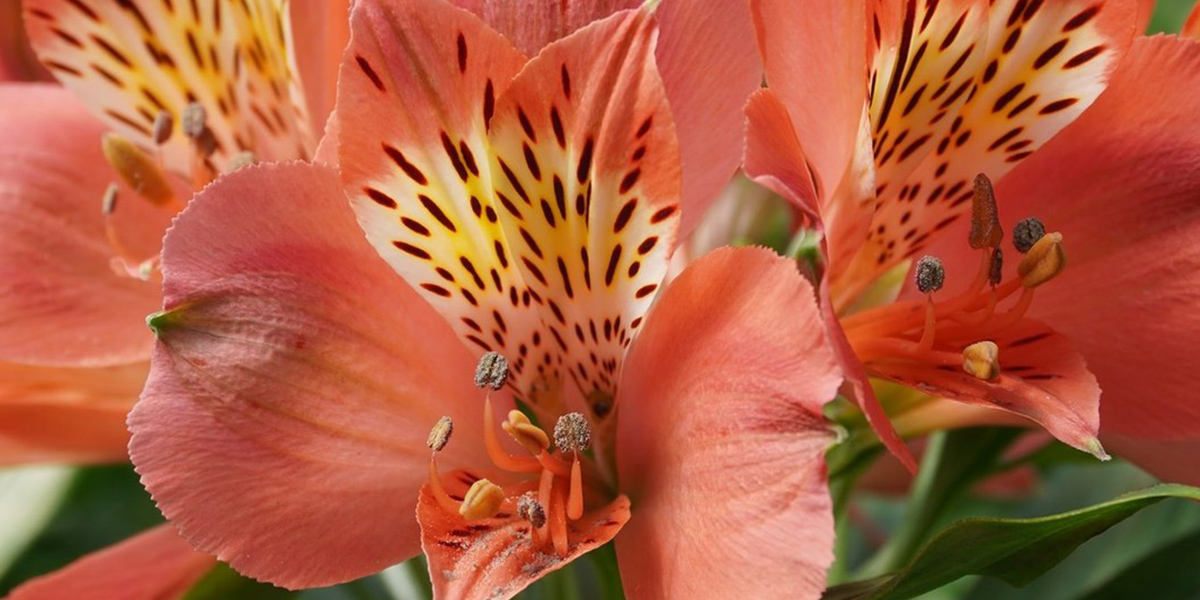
(1169, 571)
(223, 582)
(1014, 550)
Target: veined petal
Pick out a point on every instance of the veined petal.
(710, 66)
(154, 565)
(721, 438)
(496, 558)
(294, 371)
(534, 24)
(58, 414)
(586, 166)
(132, 60)
(774, 157)
(1026, 70)
(1042, 377)
(61, 301)
(319, 30)
(420, 83)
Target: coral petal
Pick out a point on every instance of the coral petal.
(532, 24)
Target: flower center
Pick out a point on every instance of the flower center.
(958, 331)
(549, 489)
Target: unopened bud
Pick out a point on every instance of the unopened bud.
(1026, 233)
(931, 275)
(109, 203)
(482, 501)
(136, 169)
(531, 510)
(572, 433)
(492, 371)
(439, 436)
(1045, 260)
(982, 360)
(985, 218)
(525, 432)
(163, 126)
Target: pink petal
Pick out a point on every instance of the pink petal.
(294, 371)
(709, 66)
(61, 300)
(55, 414)
(721, 438)
(154, 565)
(496, 558)
(320, 30)
(774, 157)
(815, 59)
(533, 24)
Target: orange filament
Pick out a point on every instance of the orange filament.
(545, 486)
(498, 455)
(558, 521)
(575, 497)
(444, 500)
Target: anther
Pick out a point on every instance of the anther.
(996, 268)
(1045, 260)
(194, 120)
(931, 275)
(136, 169)
(982, 360)
(1027, 233)
(241, 160)
(206, 143)
(525, 432)
(531, 510)
(985, 218)
(109, 204)
(482, 501)
(572, 433)
(492, 371)
(163, 126)
(439, 436)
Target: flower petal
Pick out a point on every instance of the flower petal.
(709, 66)
(294, 371)
(51, 414)
(1042, 377)
(61, 301)
(17, 60)
(532, 24)
(587, 167)
(1171, 461)
(1121, 185)
(1191, 27)
(415, 164)
(721, 438)
(154, 565)
(131, 60)
(320, 30)
(774, 157)
(498, 557)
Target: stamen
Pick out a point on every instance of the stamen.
(1026, 233)
(575, 496)
(492, 371)
(1045, 260)
(109, 203)
(572, 433)
(241, 160)
(194, 120)
(439, 436)
(545, 487)
(136, 169)
(525, 432)
(482, 501)
(558, 522)
(996, 270)
(931, 275)
(163, 127)
(501, 458)
(985, 218)
(531, 510)
(981, 360)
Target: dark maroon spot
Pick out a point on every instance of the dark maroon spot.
(380, 198)
(663, 213)
(411, 249)
(437, 213)
(1081, 19)
(1083, 57)
(624, 215)
(369, 72)
(630, 180)
(613, 260)
(409, 169)
(1058, 105)
(462, 53)
(416, 227)
(1049, 54)
(585, 162)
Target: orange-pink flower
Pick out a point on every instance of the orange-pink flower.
(529, 208)
(1080, 123)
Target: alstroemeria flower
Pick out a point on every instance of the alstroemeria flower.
(529, 209)
(951, 97)
(77, 272)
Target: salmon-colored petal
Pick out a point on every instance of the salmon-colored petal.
(413, 151)
(815, 60)
(284, 424)
(1042, 377)
(61, 301)
(721, 438)
(710, 66)
(496, 558)
(1121, 185)
(534, 24)
(56, 414)
(131, 61)
(320, 30)
(587, 170)
(17, 60)
(1021, 72)
(1172, 461)
(154, 565)
(1191, 27)
(774, 157)
(1145, 12)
